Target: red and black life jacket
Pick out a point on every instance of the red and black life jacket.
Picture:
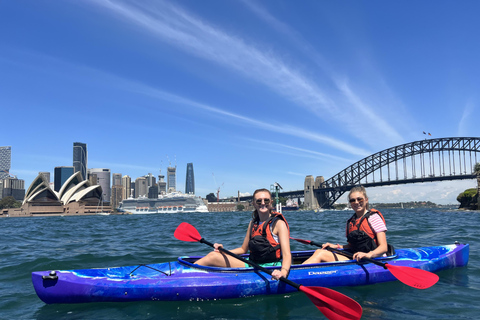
(263, 247)
(361, 235)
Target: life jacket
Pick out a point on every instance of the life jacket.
(361, 236)
(263, 247)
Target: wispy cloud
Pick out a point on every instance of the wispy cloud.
(467, 115)
(309, 152)
(278, 128)
(355, 102)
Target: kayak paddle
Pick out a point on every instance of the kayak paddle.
(413, 277)
(334, 305)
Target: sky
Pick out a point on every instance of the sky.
(250, 92)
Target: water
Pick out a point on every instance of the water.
(45, 243)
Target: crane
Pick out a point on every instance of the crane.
(6, 171)
(218, 189)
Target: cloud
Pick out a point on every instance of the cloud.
(175, 26)
(467, 115)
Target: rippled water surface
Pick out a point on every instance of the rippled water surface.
(34, 244)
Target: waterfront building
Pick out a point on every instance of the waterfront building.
(103, 179)
(153, 192)
(172, 179)
(60, 175)
(190, 180)
(117, 196)
(127, 186)
(46, 175)
(13, 187)
(116, 179)
(5, 161)
(141, 189)
(76, 196)
(151, 181)
(80, 158)
(162, 185)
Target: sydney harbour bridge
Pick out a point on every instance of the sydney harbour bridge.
(419, 161)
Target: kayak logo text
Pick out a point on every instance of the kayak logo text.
(317, 273)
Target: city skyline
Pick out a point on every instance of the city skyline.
(254, 92)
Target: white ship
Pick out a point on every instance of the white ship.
(169, 203)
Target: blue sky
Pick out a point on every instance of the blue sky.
(251, 92)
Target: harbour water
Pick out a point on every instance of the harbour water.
(46, 243)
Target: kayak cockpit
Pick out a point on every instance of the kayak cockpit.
(298, 257)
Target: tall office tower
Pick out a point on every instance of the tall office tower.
(46, 175)
(60, 175)
(117, 196)
(5, 161)
(116, 179)
(190, 181)
(103, 179)
(171, 179)
(151, 180)
(13, 187)
(141, 189)
(127, 186)
(80, 158)
(162, 185)
(153, 192)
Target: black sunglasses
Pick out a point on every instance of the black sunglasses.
(259, 201)
(357, 199)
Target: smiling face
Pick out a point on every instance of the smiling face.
(262, 201)
(358, 202)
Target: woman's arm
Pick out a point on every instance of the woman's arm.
(283, 234)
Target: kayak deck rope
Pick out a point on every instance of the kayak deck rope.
(147, 266)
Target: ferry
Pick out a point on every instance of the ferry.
(173, 202)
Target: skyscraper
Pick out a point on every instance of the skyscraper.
(162, 185)
(116, 179)
(190, 180)
(103, 179)
(80, 158)
(5, 161)
(171, 179)
(60, 175)
(127, 186)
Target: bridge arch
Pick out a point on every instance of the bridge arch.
(418, 161)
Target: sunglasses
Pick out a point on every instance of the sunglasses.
(360, 200)
(259, 201)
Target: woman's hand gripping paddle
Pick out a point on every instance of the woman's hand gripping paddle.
(413, 277)
(334, 305)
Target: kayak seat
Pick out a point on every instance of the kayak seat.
(391, 250)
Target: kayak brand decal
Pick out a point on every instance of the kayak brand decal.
(317, 273)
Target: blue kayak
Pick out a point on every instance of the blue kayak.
(184, 280)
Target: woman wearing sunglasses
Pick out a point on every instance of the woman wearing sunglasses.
(267, 239)
(365, 232)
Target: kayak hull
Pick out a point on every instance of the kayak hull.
(183, 280)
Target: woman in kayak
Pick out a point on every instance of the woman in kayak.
(365, 232)
(267, 239)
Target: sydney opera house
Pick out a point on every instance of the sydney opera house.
(75, 197)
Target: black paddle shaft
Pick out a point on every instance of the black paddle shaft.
(346, 253)
(253, 264)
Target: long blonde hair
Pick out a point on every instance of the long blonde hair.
(255, 216)
(360, 189)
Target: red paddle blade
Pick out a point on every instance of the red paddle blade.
(301, 240)
(333, 304)
(187, 232)
(413, 277)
